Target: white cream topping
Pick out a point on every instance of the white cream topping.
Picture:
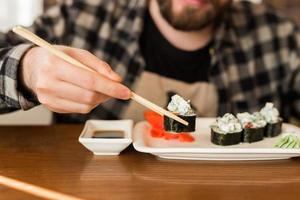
(256, 119)
(259, 119)
(180, 106)
(270, 113)
(227, 124)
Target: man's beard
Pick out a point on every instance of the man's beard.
(191, 18)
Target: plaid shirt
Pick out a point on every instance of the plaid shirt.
(255, 56)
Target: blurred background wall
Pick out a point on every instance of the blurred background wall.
(23, 12)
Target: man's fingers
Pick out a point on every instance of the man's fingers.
(91, 81)
(57, 110)
(64, 106)
(93, 62)
(74, 93)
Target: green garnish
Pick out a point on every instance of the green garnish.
(288, 141)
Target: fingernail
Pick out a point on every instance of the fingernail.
(126, 93)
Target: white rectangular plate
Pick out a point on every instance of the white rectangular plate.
(203, 149)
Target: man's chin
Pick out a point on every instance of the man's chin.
(192, 22)
(192, 28)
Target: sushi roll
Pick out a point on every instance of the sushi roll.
(226, 130)
(182, 109)
(274, 121)
(253, 125)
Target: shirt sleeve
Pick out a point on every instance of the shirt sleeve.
(51, 26)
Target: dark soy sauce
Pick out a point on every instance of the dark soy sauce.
(109, 134)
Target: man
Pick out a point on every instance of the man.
(223, 56)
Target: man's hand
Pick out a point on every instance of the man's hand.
(65, 88)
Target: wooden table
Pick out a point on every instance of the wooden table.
(52, 157)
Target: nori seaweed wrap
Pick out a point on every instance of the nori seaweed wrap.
(273, 129)
(253, 125)
(225, 139)
(172, 125)
(274, 121)
(253, 134)
(182, 109)
(226, 131)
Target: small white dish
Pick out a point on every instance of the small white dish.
(106, 146)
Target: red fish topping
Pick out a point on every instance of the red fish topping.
(249, 125)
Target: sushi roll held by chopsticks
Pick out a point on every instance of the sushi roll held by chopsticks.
(227, 130)
(182, 109)
(253, 125)
(274, 121)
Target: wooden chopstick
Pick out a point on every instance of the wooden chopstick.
(34, 190)
(44, 44)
